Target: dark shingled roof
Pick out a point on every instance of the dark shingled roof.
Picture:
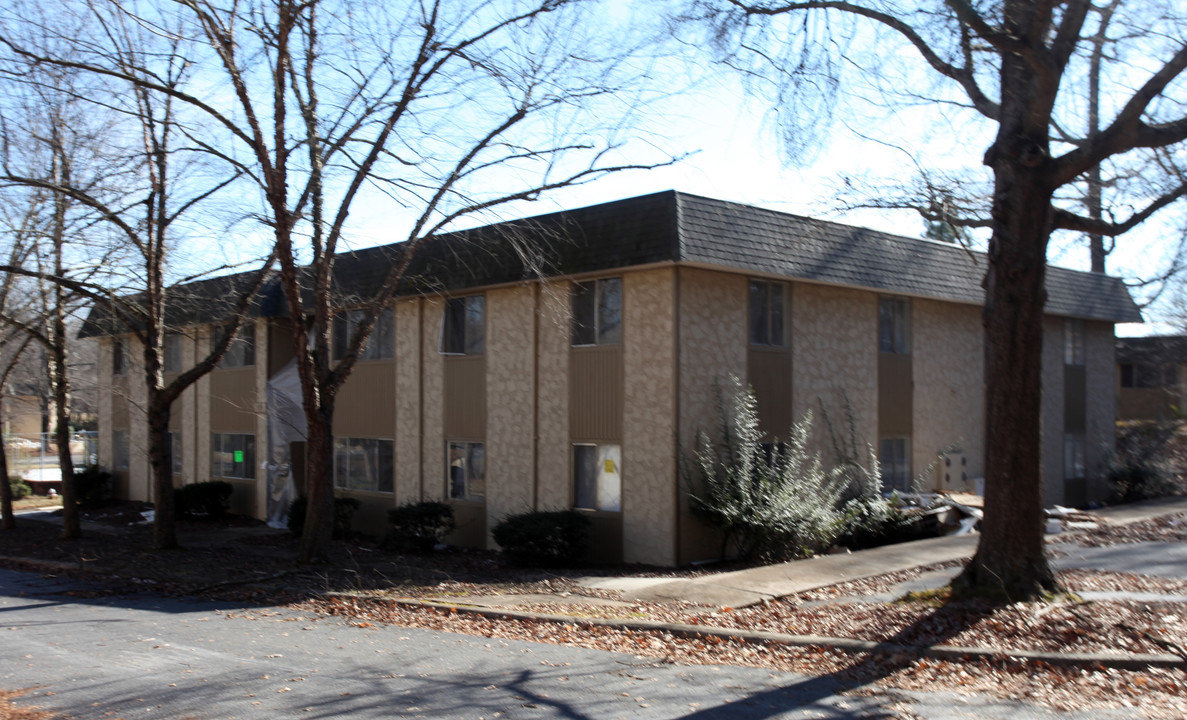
(676, 227)
(1154, 350)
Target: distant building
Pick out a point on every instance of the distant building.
(1149, 377)
(571, 371)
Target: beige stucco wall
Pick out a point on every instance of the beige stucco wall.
(139, 472)
(553, 477)
(1052, 410)
(261, 430)
(202, 408)
(949, 401)
(835, 357)
(649, 418)
(433, 401)
(408, 429)
(713, 345)
(105, 402)
(510, 402)
(1101, 362)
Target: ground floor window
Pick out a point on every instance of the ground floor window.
(896, 465)
(364, 464)
(1073, 456)
(597, 477)
(467, 470)
(233, 455)
(119, 449)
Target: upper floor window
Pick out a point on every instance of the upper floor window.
(242, 352)
(381, 344)
(119, 359)
(894, 325)
(767, 313)
(463, 326)
(597, 312)
(1073, 341)
(172, 353)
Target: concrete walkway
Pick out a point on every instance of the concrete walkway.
(747, 587)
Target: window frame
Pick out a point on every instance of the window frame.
(171, 353)
(1074, 465)
(217, 443)
(379, 457)
(119, 356)
(471, 462)
(894, 325)
(593, 321)
(767, 330)
(242, 351)
(1073, 342)
(380, 346)
(899, 478)
(463, 326)
(121, 451)
(589, 493)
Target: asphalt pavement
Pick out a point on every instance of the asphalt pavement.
(140, 656)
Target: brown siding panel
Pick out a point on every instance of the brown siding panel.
(366, 404)
(768, 371)
(465, 398)
(233, 400)
(595, 393)
(894, 394)
(1075, 398)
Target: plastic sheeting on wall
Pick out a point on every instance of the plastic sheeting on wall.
(286, 424)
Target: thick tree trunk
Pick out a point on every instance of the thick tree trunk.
(1010, 562)
(319, 488)
(160, 454)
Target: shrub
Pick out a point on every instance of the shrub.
(212, 498)
(1139, 467)
(771, 501)
(20, 488)
(871, 521)
(92, 486)
(543, 538)
(418, 527)
(344, 510)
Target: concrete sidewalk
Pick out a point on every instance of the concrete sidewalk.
(747, 587)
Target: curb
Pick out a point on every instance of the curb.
(762, 637)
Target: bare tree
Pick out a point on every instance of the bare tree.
(1009, 64)
(441, 110)
(142, 211)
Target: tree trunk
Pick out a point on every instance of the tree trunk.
(319, 488)
(160, 455)
(7, 519)
(1010, 562)
(71, 526)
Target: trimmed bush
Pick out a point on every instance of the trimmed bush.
(418, 527)
(344, 510)
(212, 499)
(20, 488)
(92, 486)
(544, 538)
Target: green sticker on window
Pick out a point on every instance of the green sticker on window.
(238, 456)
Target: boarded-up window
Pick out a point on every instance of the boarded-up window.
(597, 477)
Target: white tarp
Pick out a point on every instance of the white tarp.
(286, 424)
